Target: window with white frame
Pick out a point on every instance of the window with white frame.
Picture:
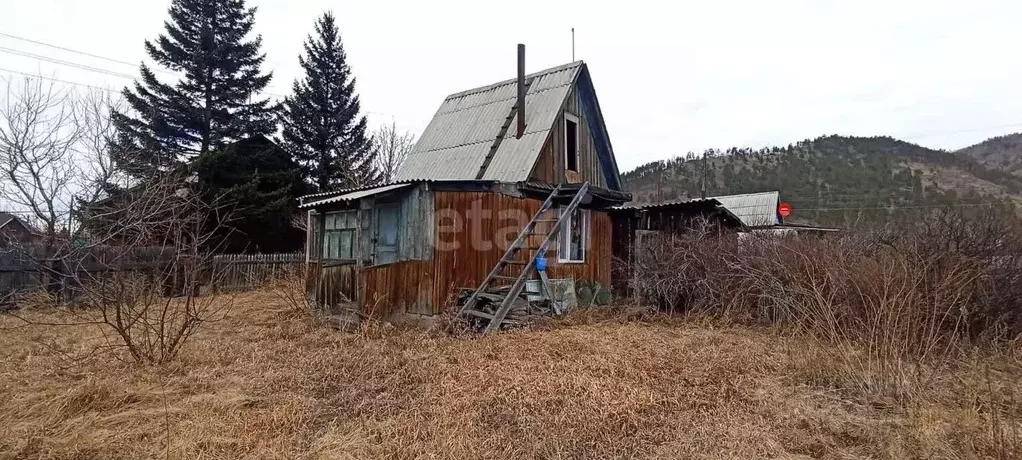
(570, 142)
(339, 235)
(574, 237)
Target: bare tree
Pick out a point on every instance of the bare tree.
(98, 170)
(392, 148)
(53, 153)
(38, 135)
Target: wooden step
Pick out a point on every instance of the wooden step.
(502, 292)
(487, 316)
(478, 314)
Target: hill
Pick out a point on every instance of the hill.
(837, 179)
(1002, 152)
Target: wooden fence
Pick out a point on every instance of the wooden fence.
(235, 272)
(24, 270)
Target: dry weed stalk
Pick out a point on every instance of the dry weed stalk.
(290, 287)
(892, 306)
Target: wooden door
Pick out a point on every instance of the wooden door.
(387, 218)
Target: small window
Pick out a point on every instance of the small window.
(570, 142)
(573, 237)
(339, 240)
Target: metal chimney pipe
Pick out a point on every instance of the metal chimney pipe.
(521, 91)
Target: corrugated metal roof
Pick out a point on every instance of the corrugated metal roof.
(458, 139)
(754, 209)
(668, 203)
(355, 195)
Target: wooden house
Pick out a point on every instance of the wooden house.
(16, 232)
(473, 187)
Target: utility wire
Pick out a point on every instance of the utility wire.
(85, 67)
(65, 63)
(60, 81)
(96, 56)
(907, 207)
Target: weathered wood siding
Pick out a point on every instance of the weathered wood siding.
(468, 232)
(550, 165)
(400, 287)
(383, 289)
(474, 230)
(333, 284)
(415, 235)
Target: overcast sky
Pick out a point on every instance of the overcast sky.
(671, 77)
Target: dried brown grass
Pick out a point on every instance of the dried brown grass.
(610, 384)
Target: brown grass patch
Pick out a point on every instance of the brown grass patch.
(600, 385)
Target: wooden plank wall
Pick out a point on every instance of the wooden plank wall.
(333, 284)
(460, 263)
(415, 236)
(400, 287)
(551, 159)
(472, 230)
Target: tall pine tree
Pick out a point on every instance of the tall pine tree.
(212, 105)
(323, 130)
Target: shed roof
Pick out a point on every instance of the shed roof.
(455, 144)
(355, 195)
(691, 206)
(754, 209)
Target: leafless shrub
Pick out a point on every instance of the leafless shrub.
(690, 272)
(139, 276)
(157, 307)
(891, 304)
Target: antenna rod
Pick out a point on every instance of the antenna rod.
(572, 44)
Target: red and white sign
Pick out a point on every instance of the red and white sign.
(784, 209)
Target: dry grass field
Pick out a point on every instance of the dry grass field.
(265, 384)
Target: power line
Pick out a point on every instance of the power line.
(95, 56)
(86, 67)
(65, 63)
(60, 81)
(96, 69)
(91, 69)
(906, 207)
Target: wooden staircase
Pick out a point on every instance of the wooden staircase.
(519, 262)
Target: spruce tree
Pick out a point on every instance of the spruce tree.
(214, 102)
(261, 182)
(322, 128)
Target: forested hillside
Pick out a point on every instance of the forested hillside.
(1001, 152)
(833, 179)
